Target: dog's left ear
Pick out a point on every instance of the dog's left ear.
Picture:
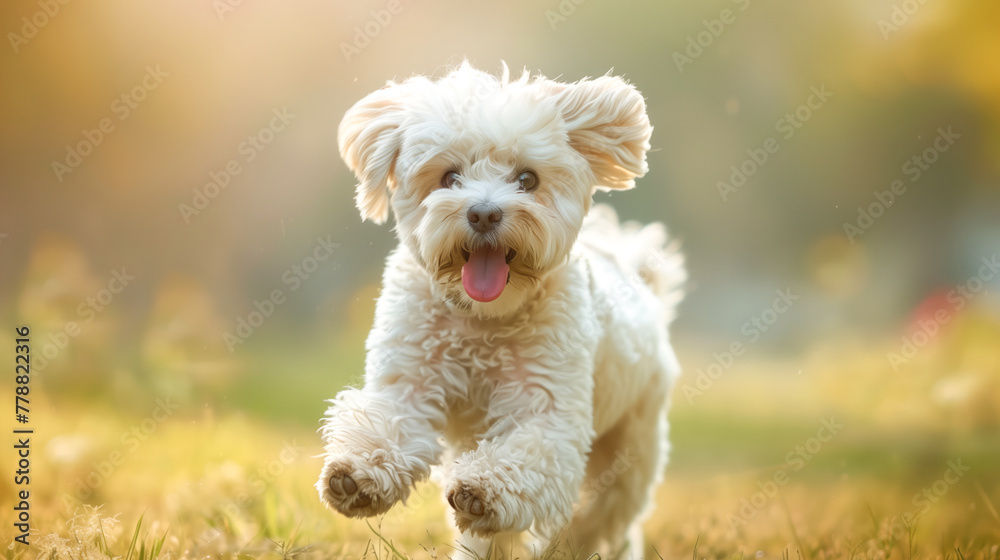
(607, 123)
(370, 140)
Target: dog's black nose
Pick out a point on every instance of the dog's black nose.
(484, 217)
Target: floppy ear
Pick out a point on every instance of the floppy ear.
(370, 139)
(607, 123)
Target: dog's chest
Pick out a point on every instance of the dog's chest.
(471, 365)
(475, 355)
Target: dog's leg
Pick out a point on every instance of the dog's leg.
(625, 465)
(379, 442)
(529, 465)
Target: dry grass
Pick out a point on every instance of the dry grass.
(212, 482)
(206, 487)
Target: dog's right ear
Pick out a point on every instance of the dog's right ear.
(370, 139)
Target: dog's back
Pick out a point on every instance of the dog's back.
(642, 252)
(636, 279)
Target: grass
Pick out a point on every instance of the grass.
(89, 535)
(221, 488)
(222, 478)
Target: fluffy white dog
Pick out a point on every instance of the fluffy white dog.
(520, 332)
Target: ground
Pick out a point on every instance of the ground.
(829, 455)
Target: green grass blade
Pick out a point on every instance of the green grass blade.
(387, 543)
(135, 537)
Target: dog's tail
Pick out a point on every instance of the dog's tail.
(646, 251)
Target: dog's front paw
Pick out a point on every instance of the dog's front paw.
(355, 489)
(484, 507)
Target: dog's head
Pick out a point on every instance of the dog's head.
(489, 179)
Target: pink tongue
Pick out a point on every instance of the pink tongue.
(485, 275)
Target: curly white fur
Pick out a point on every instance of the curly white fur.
(550, 400)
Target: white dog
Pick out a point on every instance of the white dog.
(518, 335)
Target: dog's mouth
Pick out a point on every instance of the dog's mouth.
(510, 255)
(486, 271)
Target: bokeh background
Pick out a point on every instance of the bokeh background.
(894, 329)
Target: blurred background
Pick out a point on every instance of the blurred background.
(831, 170)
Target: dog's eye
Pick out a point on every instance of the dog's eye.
(527, 181)
(449, 179)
